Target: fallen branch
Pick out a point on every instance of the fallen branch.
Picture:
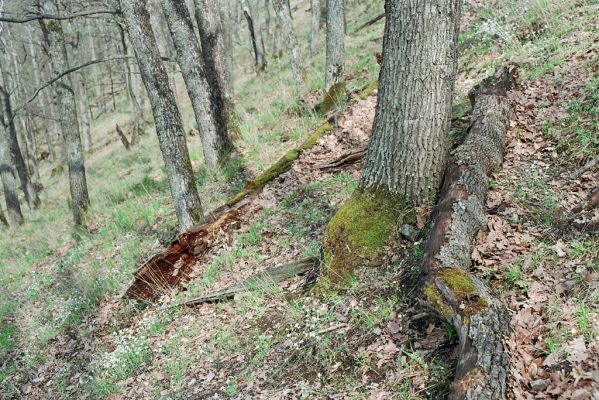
(346, 158)
(450, 290)
(276, 274)
(123, 138)
(370, 22)
(584, 168)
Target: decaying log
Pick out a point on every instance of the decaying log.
(174, 266)
(271, 275)
(449, 289)
(346, 158)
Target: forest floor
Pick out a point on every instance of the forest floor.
(67, 333)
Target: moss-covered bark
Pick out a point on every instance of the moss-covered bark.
(359, 231)
(335, 97)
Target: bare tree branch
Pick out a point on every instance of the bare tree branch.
(36, 17)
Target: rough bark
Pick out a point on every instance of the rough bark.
(3, 220)
(209, 116)
(65, 95)
(409, 137)
(335, 44)
(169, 127)
(481, 320)
(293, 50)
(133, 97)
(8, 175)
(12, 141)
(251, 15)
(314, 26)
(123, 138)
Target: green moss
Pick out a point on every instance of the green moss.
(54, 26)
(315, 136)
(367, 91)
(335, 96)
(434, 297)
(459, 282)
(359, 230)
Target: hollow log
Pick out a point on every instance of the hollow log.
(449, 289)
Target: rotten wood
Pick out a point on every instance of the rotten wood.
(271, 275)
(346, 158)
(450, 290)
(173, 266)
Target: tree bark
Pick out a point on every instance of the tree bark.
(481, 321)
(215, 51)
(13, 143)
(56, 48)
(407, 150)
(315, 26)
(208, 111)
(169, 127)
(251, 15)
(293, 50)
(133, 98)
(335, 44)
(3, 220)
(8, 176)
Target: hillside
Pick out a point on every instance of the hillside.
(67, 332)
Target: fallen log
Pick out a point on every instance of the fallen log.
(584, 168)
(271, 275)
(346, 158)
(482, 321)
(174, 266)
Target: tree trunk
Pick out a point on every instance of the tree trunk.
(169, 127)
(209, 112)
(407, 150)
(335, 44)
(251, 15)
(56, 47)
(481, 321)
(3, 220)
(215, 53)
(96, 72)
(8, 176)
(315, 26)
(133, 99)
(406, 153)
(293, 51)
(276, 40)
(13, 143)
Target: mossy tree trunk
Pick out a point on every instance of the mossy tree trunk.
(169, 127)
(406, 154)
(481, 321)
(56, 47)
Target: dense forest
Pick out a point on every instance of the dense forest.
(324, 199)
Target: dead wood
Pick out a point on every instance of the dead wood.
(174, 265)
(271, 275)
(584, 168)
(450, 290)
(123, 137)
(346, 158)
(370, 22)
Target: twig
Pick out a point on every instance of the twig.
(331, 329)
(35, 17)
(584, 168)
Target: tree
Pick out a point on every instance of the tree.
(65, 95)
(169, 127)
(8, 176)
(3, 220)
(314, 26)
(293, 50)
(209, 111)
(251, 15)
(335, 44)
(214, 52)
(13, 144)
